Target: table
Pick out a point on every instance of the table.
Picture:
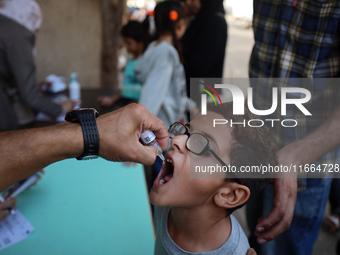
(89, 98)
(87, 207)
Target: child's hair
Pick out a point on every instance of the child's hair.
(135, 30)
(167, 14)
(251, 146)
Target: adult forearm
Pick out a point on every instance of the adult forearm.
(24, 152)
(27, 151)
(304, 151)
(317, 143)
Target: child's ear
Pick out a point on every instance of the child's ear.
(231, 195)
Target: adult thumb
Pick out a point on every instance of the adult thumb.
(146, 155)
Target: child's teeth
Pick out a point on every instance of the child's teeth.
(161, 181)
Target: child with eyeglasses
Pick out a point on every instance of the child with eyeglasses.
(193, 215)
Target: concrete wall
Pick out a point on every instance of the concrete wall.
(70, 40)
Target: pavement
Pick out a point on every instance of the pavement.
(240, 42)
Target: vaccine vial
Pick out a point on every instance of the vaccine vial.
(149, 138)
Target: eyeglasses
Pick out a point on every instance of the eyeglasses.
(196, 143)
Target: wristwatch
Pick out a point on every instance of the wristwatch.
(87, 119)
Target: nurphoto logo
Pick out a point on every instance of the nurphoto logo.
(238, 99)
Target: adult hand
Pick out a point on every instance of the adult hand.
(4, 212)
(69, 105)
(280, 217)
(44, 85)
(119, 133)
(12, 188)
(285, 191)
(251, 252)
(108, 101)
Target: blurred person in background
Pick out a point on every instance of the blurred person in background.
(161, 71)
(20, 98)
(204, 42)
(296, 39)
(160, 68)
(333, 220)
(135, 40)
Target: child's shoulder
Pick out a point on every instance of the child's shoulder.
(161, 52)
(162, 47)
(238, 238)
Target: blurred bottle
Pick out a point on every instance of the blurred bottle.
(74, 87)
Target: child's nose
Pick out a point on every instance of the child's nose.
(178, 142)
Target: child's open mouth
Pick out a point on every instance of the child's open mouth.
(166, 172)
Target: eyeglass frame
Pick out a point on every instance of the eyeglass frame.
(207, 148)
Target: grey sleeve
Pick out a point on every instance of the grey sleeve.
(21, 63)
(156, 86)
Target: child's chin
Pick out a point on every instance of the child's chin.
(156, 203)
(155, 199)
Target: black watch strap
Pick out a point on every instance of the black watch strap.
(87, 119)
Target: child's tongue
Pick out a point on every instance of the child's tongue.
(168, 177)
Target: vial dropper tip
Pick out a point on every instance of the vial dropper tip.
(162, 157)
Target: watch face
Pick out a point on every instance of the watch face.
(72, 116)
(89, 157)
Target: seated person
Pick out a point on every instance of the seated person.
(8, 199)
(135, 42)
(193, 215)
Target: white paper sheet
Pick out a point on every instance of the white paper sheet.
(14, 229)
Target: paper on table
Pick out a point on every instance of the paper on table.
(58, 83)
(14, 229)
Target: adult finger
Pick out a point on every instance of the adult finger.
(277, 229)
(154, 124)
(145, 154)
(279, 219)
(251, 252)
(276, 214)
(4, 214)
(8, 203)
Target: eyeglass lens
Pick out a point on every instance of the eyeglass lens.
(197, 143)
(177, 129)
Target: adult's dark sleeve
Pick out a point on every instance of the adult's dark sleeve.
(8, 119)
(21, 63)
(207, 56)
